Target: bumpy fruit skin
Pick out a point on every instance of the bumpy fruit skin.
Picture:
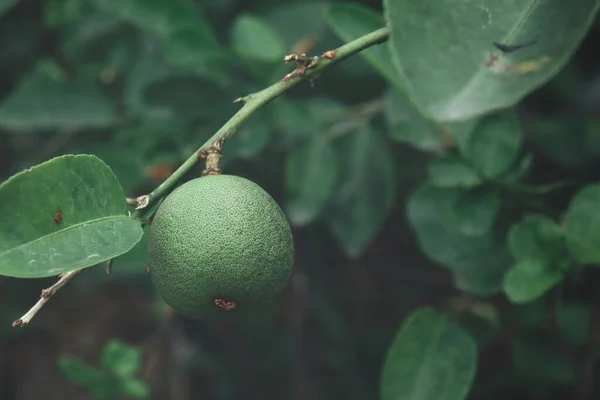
(219, 238)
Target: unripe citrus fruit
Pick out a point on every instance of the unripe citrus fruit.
(219, 241)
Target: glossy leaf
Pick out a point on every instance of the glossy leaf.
(311, 172)
(452, 171)
(537, 237)
(351, 21)
(432, 216)
(493, 146)
(366, 191)
(122, 359)
(582, 224)
(39, 102)
(65, 214)
(458, 73)
(529, 279)
(406, 125)
(476, 211)
(253, 39)
(182, 26)
(429, 359)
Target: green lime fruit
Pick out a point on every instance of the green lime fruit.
(219, 241)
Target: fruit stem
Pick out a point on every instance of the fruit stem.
(212, 157)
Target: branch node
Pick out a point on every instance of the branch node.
(142, 202)
(46, 294)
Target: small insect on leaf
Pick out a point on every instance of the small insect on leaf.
(58, 217)
(508, 48)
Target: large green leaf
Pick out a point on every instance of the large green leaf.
(65, 214)
(476, 211)
(367, 190)
(432, 214)
(39, 102)
(311, 172)
(582, 224)
(537, 238)
(350, 22)
(529, 279)
(538, 246)
(253, 39)
(430, 359)
(457, 72)
(185, 31)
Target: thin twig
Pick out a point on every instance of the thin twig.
(253, 102)
(44, 297)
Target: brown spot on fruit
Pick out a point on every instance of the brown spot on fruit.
(226, 305)
(58, 217)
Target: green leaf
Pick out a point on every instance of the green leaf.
(65, 214)
(452, 171)
(80, 372)
(458, 73)
(476, 211)
(297, 22)
(122, 359)
(537, 237)
(311, 172)
(350, 22)
(253, 39)
(6, 5)
(185, 31)
(432, 215)
(40, 102)
(430, 359)
(366, 191)
(574, 321)
(252, 138)
(529, 279)
(494, 144)
(135, 388)
(582, 224)
(484, 278)
(406, 125)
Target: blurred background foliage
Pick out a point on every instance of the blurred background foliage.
(492, 220)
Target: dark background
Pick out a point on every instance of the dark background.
(328, 336)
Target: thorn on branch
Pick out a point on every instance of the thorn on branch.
(238, 100)
(45, 295)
